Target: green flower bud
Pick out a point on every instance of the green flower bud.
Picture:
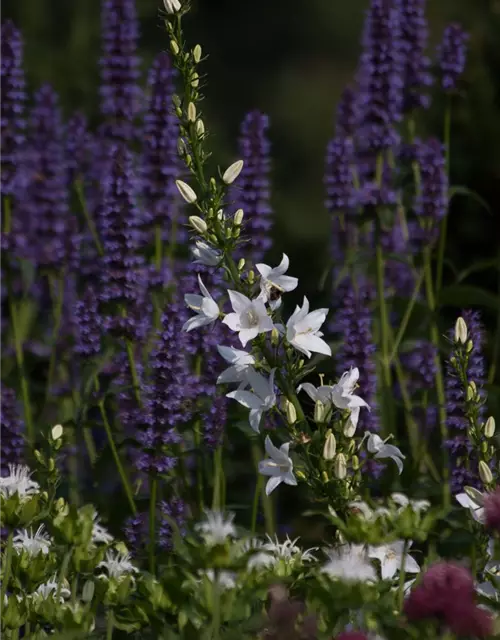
(340, 466)
(186, 192)
(195, 80)
(251, 276)
(469, 346)
(485, 472)
(238, 217)
(471, 392)
(174, 47)
(330, 446)
(232, 172)
(460, 331)
(291, 412)
(88, 591)
(489, 427)
(241, 264)
(191, 112)
(275, 337)
(200, 128)
(355, 462)
(319, 412)
(325, 477)
(198, 223)
(197, 53)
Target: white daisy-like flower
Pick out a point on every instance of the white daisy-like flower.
(50, 588)
(32, 543)
(217, 527)
(100, 535)
(18, 481)
(360, 507)
(225, 579)
(350, 563)
(117, 564)
(288, 549)
(403, 501)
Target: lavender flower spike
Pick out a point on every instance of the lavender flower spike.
(120, 92)
(12, 107)
(11, 430)
(452, 56)
(432, 203)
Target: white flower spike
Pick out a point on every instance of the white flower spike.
(216, 528)
(403, 501)
(278, 466)
(274, 282)
(205, 255)
(240, 362)
(100, 535)
(18, 481)
(32, 543)
(378, 447)
(350, 563)
(343, 397)
(302, 330)
(249, 317)
(390, 557)
(117, 564)
(261, 399)
(205, 306)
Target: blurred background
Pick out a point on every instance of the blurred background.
(292, 60)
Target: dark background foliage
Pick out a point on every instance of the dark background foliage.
(292, 60)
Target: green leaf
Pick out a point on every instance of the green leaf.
(465, 295)
(464, 191)
(482, 265)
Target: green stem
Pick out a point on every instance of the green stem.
(57, 289)
(431, 301)
(386, 377)
(126, 486)
(133, 372)
(6, 567)
(88, 219)
(216, 606)
(216, 497)
(87, 433)
(110, 625)
(406, 317)
(267, 504)
(444, 223)
(152, 523)
(255, 507)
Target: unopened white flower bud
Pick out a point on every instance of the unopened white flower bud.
(232, 172)
(88, 591)
(200, 128)
(251, 276)
(186, 192)
(319, 412)
(191, 111)
(469, 346)
(349, 428)
(181, 146)
(275, 337)
(57, 432)
(195, 80)
(340, 466)
(197, 53)
(241, 264)
(330, 446)
(291, 413)
(471, 391)
(238, 217)
(198, 223)
(485, 472)
(460, 331)
(172, 6)
(174, 47)
(489, 427)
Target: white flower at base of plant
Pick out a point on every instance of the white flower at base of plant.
(226, 580)
(403, 501)
(50, 588)
(32, 543)
(18, 481)
(382, 450)
(262, 397)
(288, 548)
(278, 466)
(249, 317)
(273, 280)
(350, 563)
(473, 500)
(205, 255)
(240, 362)
(205, 306)
(217, 527)
(391, 559)
(359, 506)
(100, 535)
(302, 330)
(117, 564)
(342, 396)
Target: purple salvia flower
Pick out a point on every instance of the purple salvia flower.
(399, 275)
(52, 227)
(121, 96)
(252, 188)
(452, 55)
(420, 365)
(214, 421)
(136, 532)
(380, 78)
(176, 510)
(89, 325)
(80, 147)
(338, 175)
(463, 460)
(11, 430)
(414, 36)
(12, 108)
(431, 202)
(160, 159)
(347, 114)
(353, 321)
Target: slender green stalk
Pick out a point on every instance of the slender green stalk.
(133, 372)
(110, 624)
(408, 311)
(216, 496)
(266, 500)
(126, 485)
(57, 289)
(444, 223)
(87, 434)
(152, 523)
(255, 507)
(6, 567)
(384, 340)
(87, 216)
(216, 606)
(431, 301)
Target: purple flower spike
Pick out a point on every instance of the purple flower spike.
(11, 430)
(120, 93)
(89, 325)
(338, 175)
(252, 188)
(347, 114)
(80, 147)
(452, 55)
(12, 108)
(431, 204)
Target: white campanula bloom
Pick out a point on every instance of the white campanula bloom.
(343, 397)
(278, 466)
(205, 254)
(249, 317)
(205, 306)
(274, 282)
(226, 580)
(260, 399)
(403, 501)
(117, 564)
(359, 506)
(217, 527)
(380, 449)
(350, 563)
(100, 535)
(32, 543)
(390, 557)
(473, 500)
(18, 481)
(240, 362)
(50, 588)
(302, 330)
(172, 6)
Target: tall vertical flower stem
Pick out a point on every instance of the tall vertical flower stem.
(6, 566)
(110, 624)
(87, 434)
(218, 480)
(199, 466)
(444, 223)
(431, 301)
(56, 286)
(88, 219)
(216, 606)
(406, 317)
(153, 491)
(267, 504)
(123, 476)
(133, 372)
(18, 347)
